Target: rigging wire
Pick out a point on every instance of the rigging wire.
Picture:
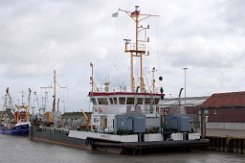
(117, 58)
(114, 43)
(157, 34)
(158, 50)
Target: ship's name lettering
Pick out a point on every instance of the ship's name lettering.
(105, 136)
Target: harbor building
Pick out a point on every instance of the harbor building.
(189, 106)
(225, 111)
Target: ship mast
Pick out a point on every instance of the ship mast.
(137, 49)
(29, 99)
(54, 96)
(54, 83)
(93, 85)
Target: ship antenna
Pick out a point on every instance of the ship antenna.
(153, 80)
(137, 49)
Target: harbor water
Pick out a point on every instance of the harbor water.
(22, 150)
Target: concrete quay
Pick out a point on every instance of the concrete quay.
(226, 140)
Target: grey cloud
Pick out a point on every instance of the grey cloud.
(234, 14)
(39, 36)
(202, 53)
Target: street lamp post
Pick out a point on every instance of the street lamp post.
(185, 68)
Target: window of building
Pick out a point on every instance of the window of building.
(215, 111)
(206, 112)
(95, 120)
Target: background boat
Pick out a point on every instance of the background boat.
(15, 121)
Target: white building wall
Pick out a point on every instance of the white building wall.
(225, 125)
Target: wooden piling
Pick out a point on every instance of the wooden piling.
(226, 144)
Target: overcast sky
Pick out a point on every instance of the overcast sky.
(37, 37)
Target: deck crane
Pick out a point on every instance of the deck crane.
(8, 102)
(85, 115)
(86, 119)
(8, 106)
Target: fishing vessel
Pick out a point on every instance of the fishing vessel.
(15, 121)
(129, 122)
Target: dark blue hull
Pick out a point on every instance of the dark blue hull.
(22, 130)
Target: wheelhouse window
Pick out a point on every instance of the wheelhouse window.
(102, 101)
(130, 101)
(93, 100)
(115, 100)
(111, 101)
(156, 101)
(140, 101)
(147, 101)
(122, 100)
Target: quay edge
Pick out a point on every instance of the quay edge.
(226, 144)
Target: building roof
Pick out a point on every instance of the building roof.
(189, 101)
(229, 99)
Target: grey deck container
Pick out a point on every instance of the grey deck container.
(123, 123)
(177, 122)
(138, 123)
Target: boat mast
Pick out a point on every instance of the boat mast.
(137, 49)
(28, 100)
(27, 108)
(54, 96)
(93, 85)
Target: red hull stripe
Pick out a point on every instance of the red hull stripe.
(91, 94)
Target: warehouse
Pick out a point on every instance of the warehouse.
(225, 111)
